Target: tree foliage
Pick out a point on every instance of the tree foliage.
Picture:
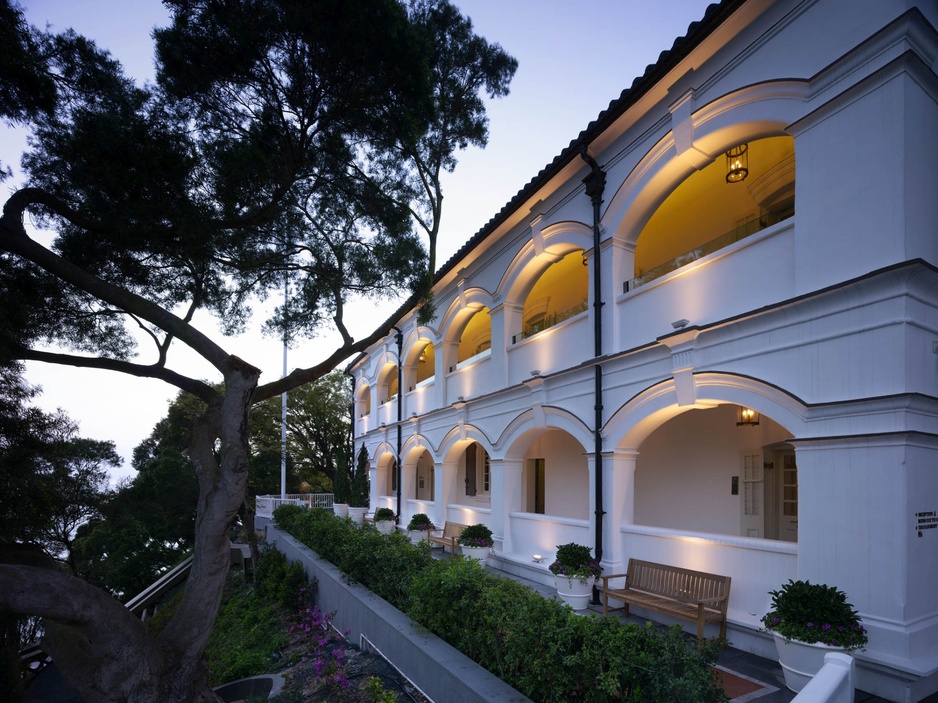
(52, 482)
(318, 424)
(148, 524)
(267, 154)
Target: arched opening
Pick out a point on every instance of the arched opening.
(426, 363)
(476, 338)
(715, 471)
(387, 384)
(705, 213)
(391, 482)
(363, 401)
(561, 292)
(425, 477)
(555, 476)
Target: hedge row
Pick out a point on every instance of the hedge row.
(537, 645)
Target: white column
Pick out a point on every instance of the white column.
(619, 504)
(860, 500)
(444, 489)
(506, 498)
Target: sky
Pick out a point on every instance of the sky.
(574, 59)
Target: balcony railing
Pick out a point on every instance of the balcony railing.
(265, 505)
(533, 328)
(757, 224)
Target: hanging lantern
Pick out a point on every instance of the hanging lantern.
(737, 163)
(746, 417)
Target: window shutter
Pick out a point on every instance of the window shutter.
(471, 468)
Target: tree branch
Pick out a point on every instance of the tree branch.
(13, 238)
(199, 389)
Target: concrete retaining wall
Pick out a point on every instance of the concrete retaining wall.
(440, 671)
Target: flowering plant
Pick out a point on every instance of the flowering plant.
(420, 521)
(323, 643)
(575, 561)
(476, 536)
(814, 613)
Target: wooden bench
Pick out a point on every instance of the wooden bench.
(451, 532)
(690, 595)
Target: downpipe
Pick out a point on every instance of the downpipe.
(595, 184)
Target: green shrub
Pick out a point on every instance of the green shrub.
(476, 536)
(384, 514)
(420, 521)
(279, 580)
(248, 632)
(536, 644)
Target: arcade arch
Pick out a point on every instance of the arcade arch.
(559, 293)
(705, 213)
(702, 472)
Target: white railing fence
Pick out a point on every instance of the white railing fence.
(832, 684)
(264, 506)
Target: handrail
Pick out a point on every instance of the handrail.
(265, 505)
(833, 683)
(724, 240)
(549, 321)
(153, 594)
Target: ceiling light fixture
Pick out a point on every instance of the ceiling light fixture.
(737, 163)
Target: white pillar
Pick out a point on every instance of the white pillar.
(619, 504)
(444, 489)
(506, 498)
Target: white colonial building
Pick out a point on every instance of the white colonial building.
(706, 334)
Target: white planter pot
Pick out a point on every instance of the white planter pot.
(357, 514)
(574, 592)
(340, 509)
(385, 527)
(417, 536)
(800, 661)
(480, 554)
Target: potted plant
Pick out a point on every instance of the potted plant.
(359, 489)
(476, 542)
(808, 620)
(384, 520)
(340, 490)
(575, 571)
(419, 528)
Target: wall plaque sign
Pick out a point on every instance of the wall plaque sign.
(926, 520)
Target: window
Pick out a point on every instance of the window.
(478, 471)
(539, 479)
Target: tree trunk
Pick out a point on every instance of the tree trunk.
(251, 532)
(101, 649)
(222, 485)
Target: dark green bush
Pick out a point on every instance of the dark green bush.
(382, 563)
(536, 644)
(384, 514)
(279, 580)
(247, 635)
